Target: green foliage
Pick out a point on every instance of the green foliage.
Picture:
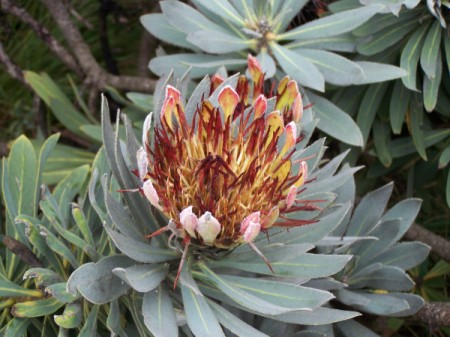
(414, 37)
(230, 29)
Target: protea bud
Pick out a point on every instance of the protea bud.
(229, 173)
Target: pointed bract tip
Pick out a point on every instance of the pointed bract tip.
(189, 221)
(150, 193)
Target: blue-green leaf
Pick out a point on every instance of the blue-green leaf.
(90, 325)
(404, 255)
(416, 126)
(96, 281)
(225, 10)
(430, 51)
(233, 323)
(344, 42)
(431, 86)
(334, 68)
(200, 317)
(143, 278)
(382, 140)
(298, 67)
(267, 63)
(217, 42)
(398, 106)
(331, 25)
(159, 316)
(410, 56)
(375, 72)
(335, 122)
(369, 107)
(158, 25)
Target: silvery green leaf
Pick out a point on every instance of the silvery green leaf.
(272, 251)
(326, 284)
(297, 265)
(200, 317)
(372, 303)
(122, 219)
(158, 26)
(332, 25)
(144, 277)
(159, 316)
(386, 232)
(416, 125)
(431, 86)
(444, 158)
(233, 323)
(313, 152)
(90, 325)
(280, 293)
(377, 23)
(386, 38)
(352, 328)
(387, 278)
(330, 168)
(345, 43)
(406, 211)
(141, 251)
(369, 211)
(410, 56)
(217, 42)
(335, 181)
(316, 231)
(286, 13)
(369, 107)
(267, 63)
(58, 246)
(201, 64)
(375, 72)
(344, 241)
(251, 300)
(336, 122)
(113, 320)
(96, 282)
(225, 10)
(309, 333)
(415, 302)
(335, 69)
(192, 20)
(382, 139)
(298, 67)
(404, 255)
(431, 50)
(319, 316)
(398, 106)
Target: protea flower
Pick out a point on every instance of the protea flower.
(226, 172)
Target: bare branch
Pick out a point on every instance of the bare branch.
(435, 314)
(439, 245)
(11, 68)
(42, 32)
(96, 75)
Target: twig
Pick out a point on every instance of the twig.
(439, 245)
(435, 314)
(89, 65)
(11, 68)
(42, 33)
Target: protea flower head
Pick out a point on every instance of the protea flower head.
(226, 172)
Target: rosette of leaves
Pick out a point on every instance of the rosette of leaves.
(220, 288)
(375, 281)
(46, 239)
(415, 37)
(221, 33)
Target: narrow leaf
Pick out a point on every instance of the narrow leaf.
(335, 122)
(297, 66)
(430, 51)
(158, 312)
(333, 24)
